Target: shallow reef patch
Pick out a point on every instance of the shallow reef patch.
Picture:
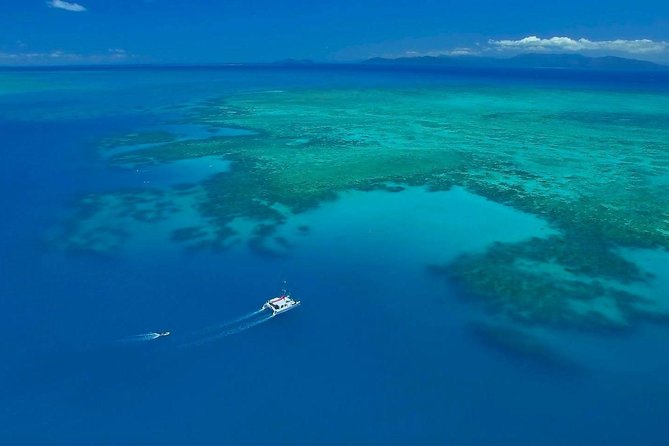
(599, 178)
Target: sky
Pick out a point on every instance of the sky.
(220, 31)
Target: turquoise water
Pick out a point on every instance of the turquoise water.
(481, 257)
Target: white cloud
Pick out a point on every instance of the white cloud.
(461, 51)
(556, 44)
(118, 53)
(60, 57)
(67, 6)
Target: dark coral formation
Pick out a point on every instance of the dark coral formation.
(135, 139)
(553, 281)
(522, 345)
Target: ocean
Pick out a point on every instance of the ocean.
(481, 256)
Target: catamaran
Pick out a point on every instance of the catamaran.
(281, 304)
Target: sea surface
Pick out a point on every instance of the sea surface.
(481, 256)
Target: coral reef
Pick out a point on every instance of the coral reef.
(521, 344)
(600, 178)
(553, 281)
(135, 139)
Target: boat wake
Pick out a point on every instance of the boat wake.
(269, 309)
(217, 328)
(228, 328)
(145, 337)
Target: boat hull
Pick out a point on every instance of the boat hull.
(276, 311)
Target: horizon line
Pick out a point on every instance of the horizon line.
(303, 63)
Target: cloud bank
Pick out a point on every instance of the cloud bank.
(460, 51)
(645, 49)
(59, 57)
(561, 44)
(67, 6)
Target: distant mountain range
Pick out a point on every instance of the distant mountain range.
(532, 60)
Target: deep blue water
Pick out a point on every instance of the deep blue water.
(375, 355)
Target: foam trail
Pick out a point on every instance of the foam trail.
(230, 331)
(245, 326)
(239, 319)
(218, 327)
(140, 337)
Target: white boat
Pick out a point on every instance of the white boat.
(164, 333)
(281, 304)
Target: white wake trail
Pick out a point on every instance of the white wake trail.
(243, 325)
(140, 337)
(231, 322)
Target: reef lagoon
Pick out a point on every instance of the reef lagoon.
(482, 256)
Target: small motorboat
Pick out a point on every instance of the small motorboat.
(281, 304)
(164, 333)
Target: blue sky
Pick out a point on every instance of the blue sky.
(200, 31)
